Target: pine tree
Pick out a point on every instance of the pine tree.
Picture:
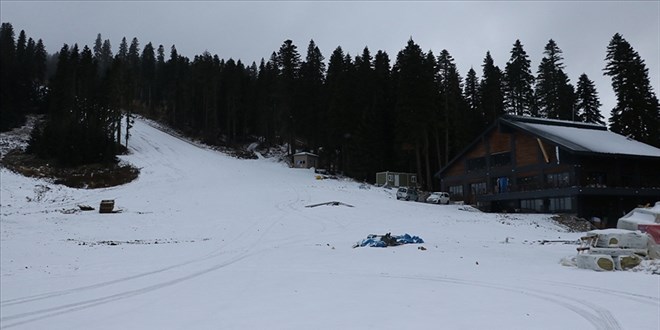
(148, 75)
(567, 100)
(86, 76)
(23, 79)
(383, 123)
(588, 104)
(551, 90)
(288, 61)
(122, 54)
(21, 44)
(40, 58)
(312, 75)
(476, 119)
(266, 98)
(471, 91)
(455, 114)
(79, 126)
(518, 81)
(105, 58)
(337, 114)
(491, 90)
(636, 113)
(134, 56)
(416, 95)
(361, 149)
(9, 109)
(98, 47)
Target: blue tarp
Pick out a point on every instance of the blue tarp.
(388, 240)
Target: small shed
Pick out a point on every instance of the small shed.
(396, 179)
(305, 160)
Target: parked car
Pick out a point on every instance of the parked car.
(438, 198)
(407, 194)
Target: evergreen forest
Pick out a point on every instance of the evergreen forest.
(409, 112)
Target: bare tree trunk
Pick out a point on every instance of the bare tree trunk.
(437, 147)
(418, 159)
(429, 178)
(128, 127)
(119, 127)
(446, 144)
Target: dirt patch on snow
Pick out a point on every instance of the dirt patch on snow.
(12, 149)
(573, 223)
(86, 176)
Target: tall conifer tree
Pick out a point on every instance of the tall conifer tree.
(636, 113)
(312, 75)
(491, 90)
(288, 61)
(588, 104)
(518, 83)
(551, 85)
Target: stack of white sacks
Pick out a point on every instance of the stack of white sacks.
(636, 237)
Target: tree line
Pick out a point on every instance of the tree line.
(360, 114)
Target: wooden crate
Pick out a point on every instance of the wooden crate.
(107, 206)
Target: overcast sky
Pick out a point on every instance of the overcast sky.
(251, 30)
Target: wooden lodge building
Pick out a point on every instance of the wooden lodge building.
(524, 164)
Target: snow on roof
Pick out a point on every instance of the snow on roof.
(586, 139)
(305, 154)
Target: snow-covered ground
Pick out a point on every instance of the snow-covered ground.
(206, 241)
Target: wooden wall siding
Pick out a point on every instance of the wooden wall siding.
(478, 150)
(499, 142)
(561, 168)
(458, 167)
(527, 150)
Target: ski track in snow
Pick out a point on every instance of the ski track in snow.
(36, 315)
(598, 317)
(163, 163)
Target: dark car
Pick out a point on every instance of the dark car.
(409, 194)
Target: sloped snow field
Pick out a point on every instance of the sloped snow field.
(206, 241)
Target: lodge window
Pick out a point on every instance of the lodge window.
(558, 180)
(475, 164)
(501, 184)
(456, 192)
(501, 159)
(478, 188)
(528, 183)
(560, 204)
(532, 204)
(596, 179)
(413, 179)
(390, 177)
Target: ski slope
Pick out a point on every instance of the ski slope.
(206, 241)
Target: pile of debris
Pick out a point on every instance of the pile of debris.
(637, 237)
(388, 240)
(573, 223)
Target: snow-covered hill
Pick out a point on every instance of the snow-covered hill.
(206, 241)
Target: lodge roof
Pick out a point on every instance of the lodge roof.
(581, 138)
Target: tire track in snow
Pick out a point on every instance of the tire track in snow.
(599, 317)
(221, 250)
(177, 172)
(621, 294)
(29, 317)
(44, 313)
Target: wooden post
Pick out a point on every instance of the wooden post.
(545, 153)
